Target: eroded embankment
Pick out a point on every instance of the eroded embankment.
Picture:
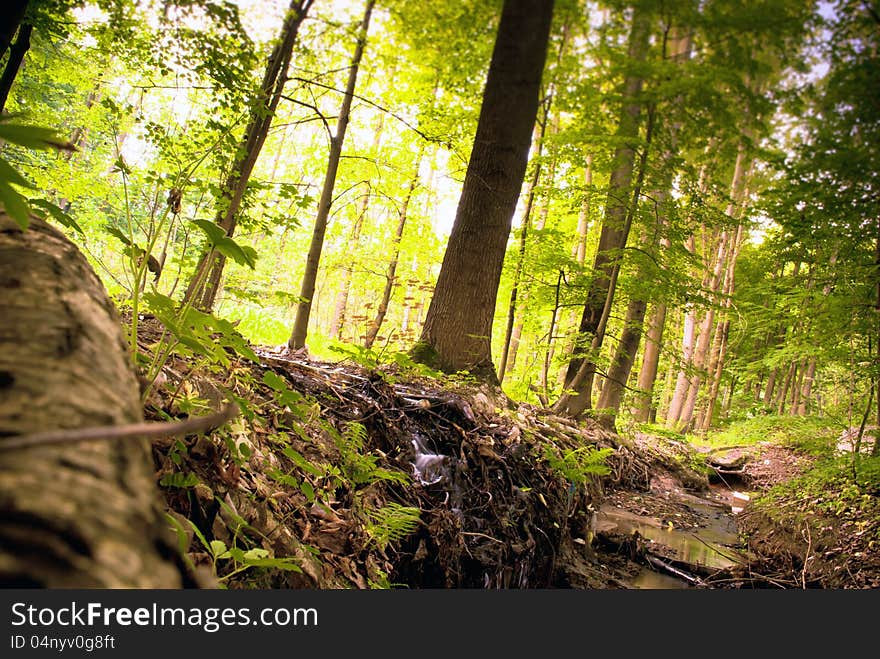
(335, 476)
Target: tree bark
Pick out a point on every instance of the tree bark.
(310, 276)
(84, 514)
(234, 187)
(650, 363)
(515, 310)
(458, 327)
(13, 64)
(614, 233)
(10, 20)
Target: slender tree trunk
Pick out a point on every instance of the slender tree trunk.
(771, 386)
(583, 227)
(876, 450)
(726, 250)
(782, 395)
(615, 229)
(514, 312)
(391, 272)
(262, 112)
(16, 56)
(310, 276)
(796, 391)
(80, 514)
(650, 363)
(608, 403)
(722, 330)
(628, 346)
(340, 308)
(458, 327)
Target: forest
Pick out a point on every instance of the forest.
(430, 294)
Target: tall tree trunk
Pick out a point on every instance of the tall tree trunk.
(771, 386)
(726, 249)
(340, 308)
(722, 330)
(876, 450)
(80, 514)
(16, 56)
(10, 20)
(202, 290)
(615, 229)
(514, 312)
(782, 394)
(310, 276)
(583, 227)
(458, 328)
(650, 363)
(391, 272)
(628, 346)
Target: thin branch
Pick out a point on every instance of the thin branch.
(315, 109)
(390, 113)
(139, 430)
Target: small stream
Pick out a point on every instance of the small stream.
(710, 547)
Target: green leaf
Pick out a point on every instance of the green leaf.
(199, 535)
(218, 548)
(255, 554)
(178, 479)
(56, 213)
(274, 381)
(15, 204)
(302, 463)
(214, 232)
(113, 231)
(8, 174)
(31, 137)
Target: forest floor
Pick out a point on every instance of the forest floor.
(336, 475)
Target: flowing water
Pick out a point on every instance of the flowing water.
(709, 547)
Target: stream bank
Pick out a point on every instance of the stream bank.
(339, 476)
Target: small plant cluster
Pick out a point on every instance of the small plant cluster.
(344, 468)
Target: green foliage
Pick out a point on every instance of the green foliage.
(391, 523)
(830, 488)
(30, 137)
(578, 465)
(358, 467)
(810, 434)
(229, 561)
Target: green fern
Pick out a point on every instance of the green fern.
(391, 523)
(579, 465)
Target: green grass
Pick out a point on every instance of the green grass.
(809, 434)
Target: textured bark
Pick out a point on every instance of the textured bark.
(85, 514)
(204, 286)
(10, 19)
(13, 64)
(310, 276)
(650, 363)
(622, 362)
(771, 386)
(725, 250)
(458, 327)
(722, 330)
(615, 229)
(583, 227)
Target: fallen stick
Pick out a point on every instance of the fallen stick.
(146, 429)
